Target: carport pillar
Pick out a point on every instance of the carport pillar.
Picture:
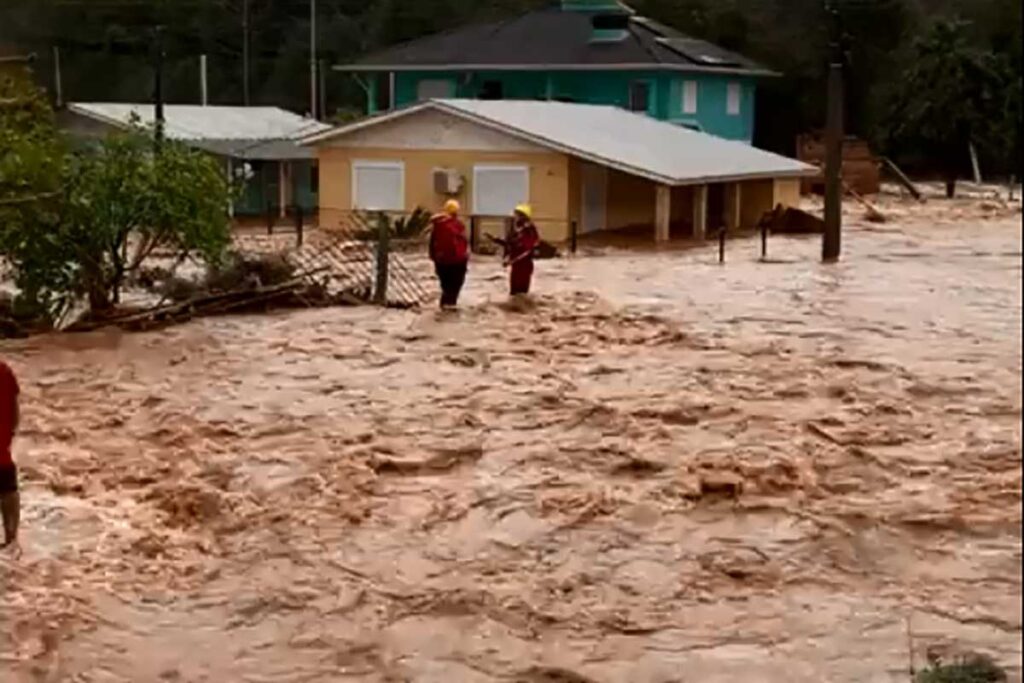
(662, 212)
(282, 188)
(733, 206)
(700, 211)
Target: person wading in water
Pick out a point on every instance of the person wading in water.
(10, 501)
(449, 250)
(522, 241)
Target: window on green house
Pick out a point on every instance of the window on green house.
(491, 90)
(639, 96)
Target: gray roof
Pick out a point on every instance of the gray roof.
(554, 38)
(241, 132)
(613, 137)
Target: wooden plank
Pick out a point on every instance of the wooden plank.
(902, 178)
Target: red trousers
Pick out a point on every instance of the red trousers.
(520, 276)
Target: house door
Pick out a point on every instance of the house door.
(594, 200)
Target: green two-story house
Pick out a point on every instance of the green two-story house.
(586, 51)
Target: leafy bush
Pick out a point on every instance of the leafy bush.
(969, 669)
(403, 227)
(238, 271)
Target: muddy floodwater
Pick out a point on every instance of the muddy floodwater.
(663, 470)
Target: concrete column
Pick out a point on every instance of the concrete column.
(733, 206)
(700, 211)
(282, 188)
(662, 213)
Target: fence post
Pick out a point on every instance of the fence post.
(573, 236)
(380, 294)
(298, 225)
(764, 240)
(270, 218)
(721, 244)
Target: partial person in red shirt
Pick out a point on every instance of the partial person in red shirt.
(523, 239)
(449, 250)
(10, 502)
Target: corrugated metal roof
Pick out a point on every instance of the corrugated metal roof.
(613, 137)
(194, 123)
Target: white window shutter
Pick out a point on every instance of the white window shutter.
(433, 89)
(498, 189)
(689, 97)
(378, 185)
(734, 99)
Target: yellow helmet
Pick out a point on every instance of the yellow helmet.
(451, 207)
(525, 210)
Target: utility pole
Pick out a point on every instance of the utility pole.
(312, 59)
(58, 89)
(203, 91)
(832, 241)
(158, 83)
(323, 90)
(245, 52)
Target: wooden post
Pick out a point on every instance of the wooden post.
(721, 244)
(764, 240)
(700, 211)
(298, 226)
(282, 188)
(231, 183)
(573, 236)
(473, 234)
(271, 218)
(662, 213)
(380, 293)
(831, 244)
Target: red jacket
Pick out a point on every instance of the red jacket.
(448, 244)
(522, 240)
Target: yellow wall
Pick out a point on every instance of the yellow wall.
(761, 196)
(630, 201)
(757, 197)
(549, 182)
(787, 192)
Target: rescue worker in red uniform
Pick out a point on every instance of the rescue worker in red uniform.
(449, 250)
(522, 241)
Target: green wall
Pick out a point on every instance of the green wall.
(606, 87)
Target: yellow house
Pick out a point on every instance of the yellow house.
(581, 167)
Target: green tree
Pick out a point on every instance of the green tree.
(949, 97)
(78, 224)
(129, 200)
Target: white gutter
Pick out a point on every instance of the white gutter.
(683, 68)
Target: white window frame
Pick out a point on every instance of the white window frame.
(733, 98)
(477, 168)
(690, 97)
(371, 164)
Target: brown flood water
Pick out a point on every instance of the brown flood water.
(666, 470)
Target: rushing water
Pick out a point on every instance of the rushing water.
(665, 469)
